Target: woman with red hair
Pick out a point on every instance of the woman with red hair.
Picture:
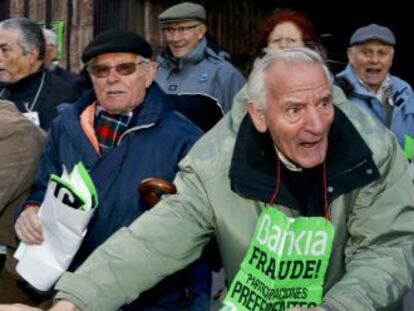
(287, 28)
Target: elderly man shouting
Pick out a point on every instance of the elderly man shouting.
(311, 203)
(123, 131)
(369, 83)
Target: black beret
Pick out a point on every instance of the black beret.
(116, 40)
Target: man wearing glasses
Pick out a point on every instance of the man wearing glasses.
(188, 65)
(123, 131)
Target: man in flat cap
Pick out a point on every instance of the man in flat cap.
(123, 130)
(369, 84)
(188, 65)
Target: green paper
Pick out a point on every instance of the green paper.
(285, 264)
(58, 27)
(86, 178)
(80, 185)
(409, 147)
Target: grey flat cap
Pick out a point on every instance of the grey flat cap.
(372, 32)
(186, 11)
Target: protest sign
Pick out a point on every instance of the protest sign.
(409, 152)
(409, 147)
(285, 264)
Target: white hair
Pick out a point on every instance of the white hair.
(50, 37)
(256, 90)
(31, 35)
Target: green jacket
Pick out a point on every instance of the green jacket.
(372, 213)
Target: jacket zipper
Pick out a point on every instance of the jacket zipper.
(133, 129)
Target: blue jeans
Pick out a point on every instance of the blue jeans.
(182, 300)
(188, 289)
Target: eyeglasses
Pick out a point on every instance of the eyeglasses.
(169, 31)
(124, 69)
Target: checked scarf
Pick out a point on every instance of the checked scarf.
(109, 128)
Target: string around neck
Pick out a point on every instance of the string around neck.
(277, 186)
(324, 188)
(325, 192)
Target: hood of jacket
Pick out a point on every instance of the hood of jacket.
(400, 90)
(196, 55)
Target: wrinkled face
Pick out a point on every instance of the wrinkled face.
(299, 112)
(118, 89)
(371, 61)
(284, 36)
(182, 37)
(14, 63)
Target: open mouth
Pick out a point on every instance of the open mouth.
(373, 71)
(310, 145)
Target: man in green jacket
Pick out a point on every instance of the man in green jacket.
(255, 181)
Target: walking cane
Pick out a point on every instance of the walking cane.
(151, 189)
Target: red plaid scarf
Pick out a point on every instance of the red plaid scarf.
(109, 128)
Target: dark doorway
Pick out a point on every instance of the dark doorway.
(4, 9)
(337, 20)
(234, 24)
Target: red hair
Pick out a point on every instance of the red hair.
(305, 26)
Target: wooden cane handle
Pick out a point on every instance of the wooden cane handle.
(151, 189)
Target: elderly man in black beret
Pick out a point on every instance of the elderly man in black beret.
(123, 130)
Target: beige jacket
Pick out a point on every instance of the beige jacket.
(21, 143)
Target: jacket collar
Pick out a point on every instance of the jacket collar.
(196, 55)
(253, 168)
(400, 91)
(25, 86)
(354, 83)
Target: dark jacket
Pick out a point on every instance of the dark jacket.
(70, 77)
(154, 143)
(52, 92)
